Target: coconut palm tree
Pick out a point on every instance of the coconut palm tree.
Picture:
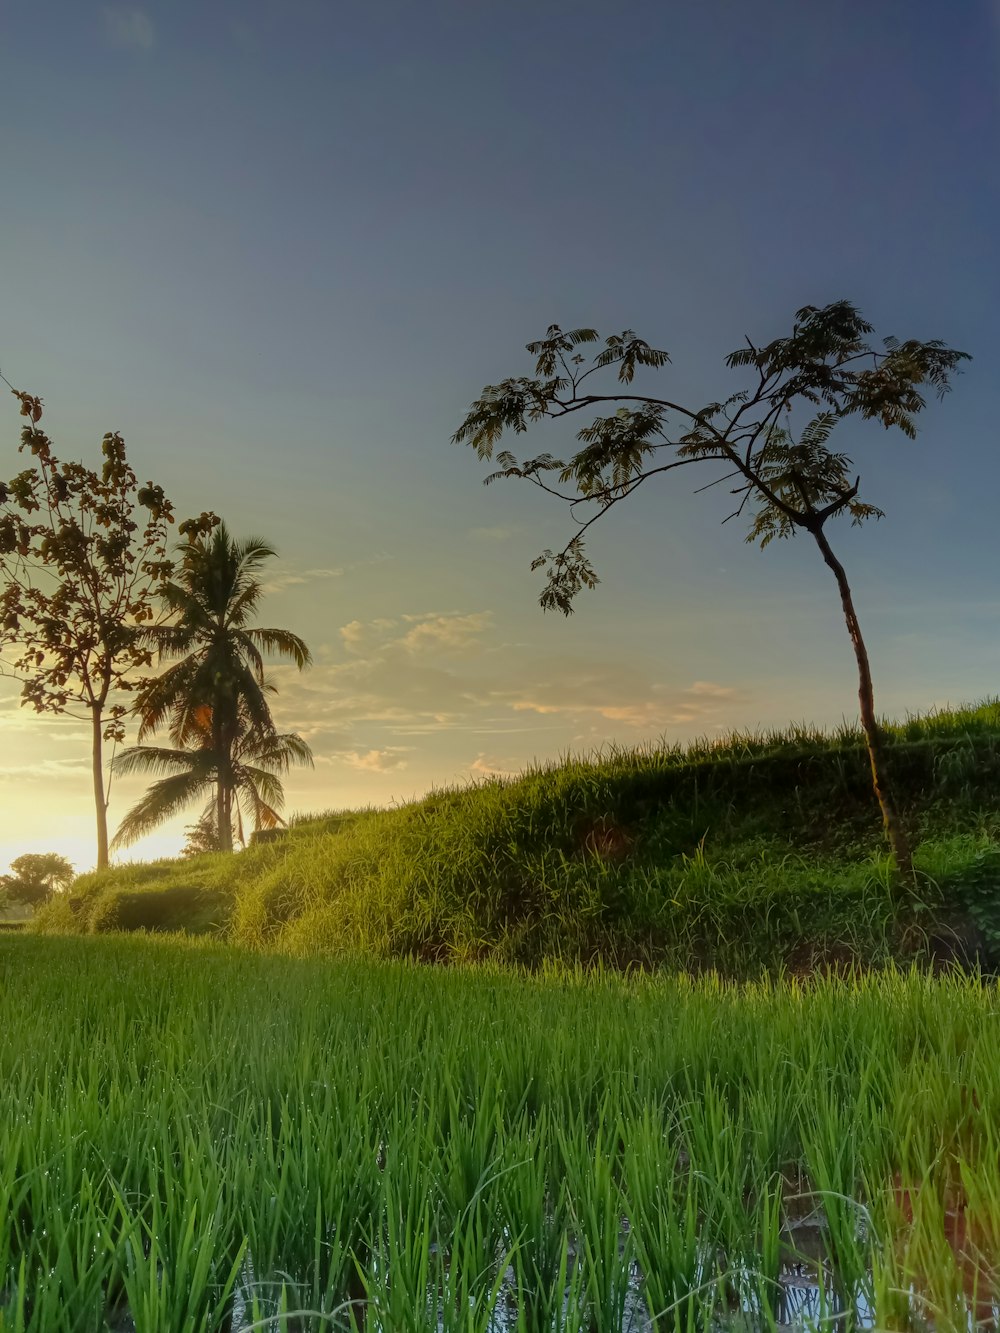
(218, 664)
(252, 769)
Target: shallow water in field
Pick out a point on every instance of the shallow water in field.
(806, 1299)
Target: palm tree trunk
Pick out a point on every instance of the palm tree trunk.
(224, 844)
(100, 795)
(891, 821)
(223, 811)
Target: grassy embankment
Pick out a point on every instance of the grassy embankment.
(196, 1138)
(759, 851)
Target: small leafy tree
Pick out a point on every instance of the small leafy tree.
(771, 437)
(82, 555)
(202, 836)
(35, 877)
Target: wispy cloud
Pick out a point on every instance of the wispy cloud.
(429, 632)
(707, 689)
(377, 761)
(51, 727)
(360, 636)
(619, 695)
(497, 533)
(450, 633)
(483, 766)
(47, 770)
(128, 26)
(294, 578)
(416, 678)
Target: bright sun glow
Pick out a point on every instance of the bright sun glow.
(72, 836)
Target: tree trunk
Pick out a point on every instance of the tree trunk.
(223, 812)
(891, 821)
(100, 794)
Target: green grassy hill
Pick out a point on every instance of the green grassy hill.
(762, 850)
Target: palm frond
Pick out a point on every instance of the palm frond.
(264, 785)
(249, 690)
(159, 759)
(248, 652)
(277, 752)
(162, 694)
(251, 552)
(163, 800)
(265, 816)
(284, 643)
(244, 603)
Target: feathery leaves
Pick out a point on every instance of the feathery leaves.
(791, 478)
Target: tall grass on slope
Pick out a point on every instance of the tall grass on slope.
(758, 852)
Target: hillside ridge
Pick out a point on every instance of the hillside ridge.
(761, 850)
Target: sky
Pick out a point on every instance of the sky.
(282, 246)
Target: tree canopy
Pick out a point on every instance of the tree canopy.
(83, 553)
(35, 877)
(783, 466)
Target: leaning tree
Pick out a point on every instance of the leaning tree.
(772, 438)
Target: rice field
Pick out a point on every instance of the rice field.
(192, 1138)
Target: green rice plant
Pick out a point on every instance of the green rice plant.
(535, 1213)
(401, 1276)
(569, 1309)
(309, 1190)
(714, 1132)
(665, 1205)
(830, 1138)
(976, 1238)
(931, 1269)
(470, 1289)
(763, 1293)
(589, 1153)
(170, 1275)
(221, 1138)
(62, 1285)
(467, 1161)
(892, 1298)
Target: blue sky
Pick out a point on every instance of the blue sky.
(281, 246)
